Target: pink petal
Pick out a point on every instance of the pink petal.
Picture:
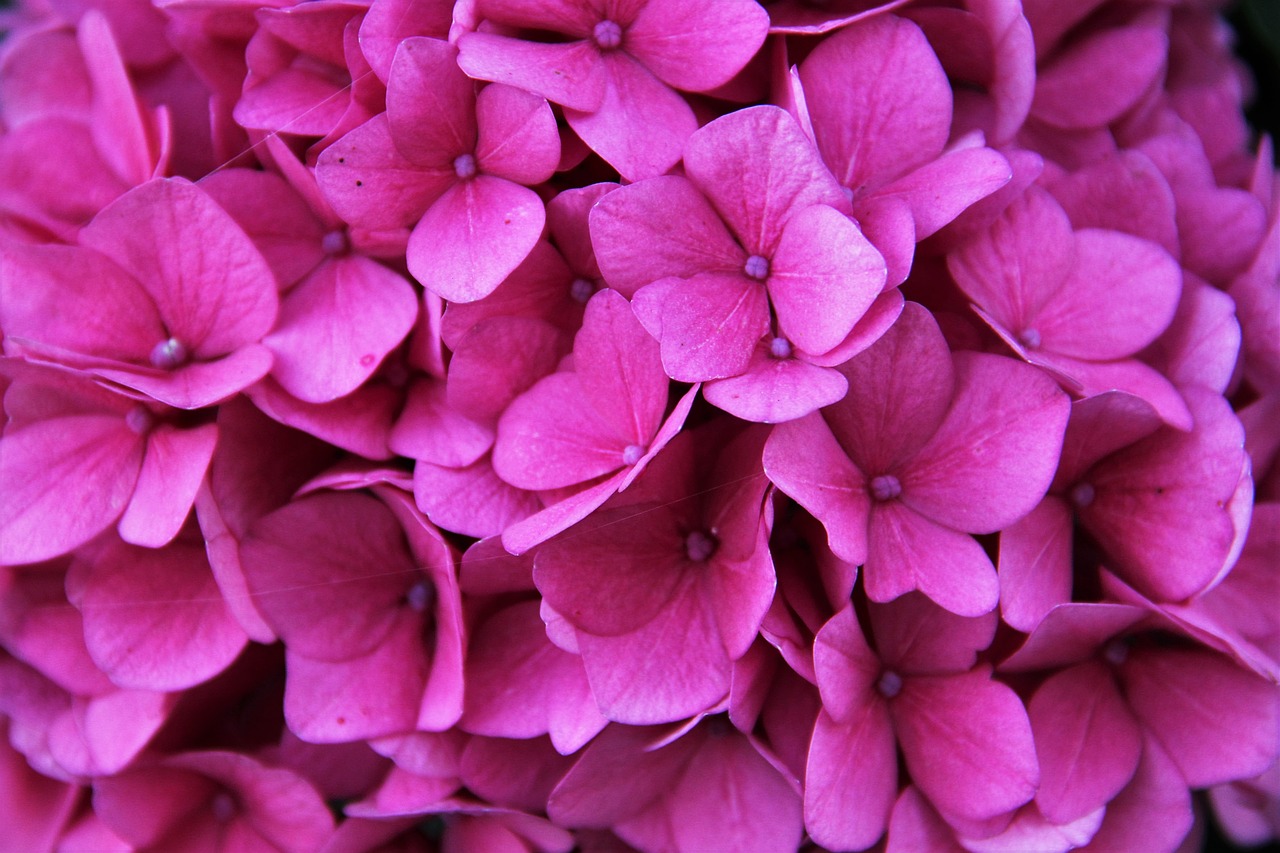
(775, 390)
(155, 620)
(908, 552)
(1202, 344)
(171, 474)
(1087, 740)
(759, 169)
(620, 370)
(198, 384)
(120, 127)
(359, 422)
(938, 192)
(914, 636)
(320, 352)
(294, 100)
(846, 668)
(1122, 193)
(518, 137)
(431, 105)
(896, 118)
(998, 446)
(1217, 721)
(182, 248)
(571, 74)
(1133, 377)
(1153, 812)
(635, 244)
(699, 45)
(389, 22)
(372, 185)
(850, 780)
(640, 125)
(804, 460)
(471, 500)
(63, 481)
(708, 324)
(499, 359)
(1117, 64)
(967, 743)
(473, 236)
(823, 278)
(307, 565)
(1071, 633)
(1035, 564)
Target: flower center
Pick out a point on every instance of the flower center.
(582, 290)
(699, 546)
(335, 242)
(757, 267)
(420, 595)
(1030, 338)
(1083, 494)
(223, 807)
(1116, 652)
(890, 684)
(780, 348)
(885, 487)
(169, 354)
(607, 35)
(140, 420)
(464, 166)
(633, 453)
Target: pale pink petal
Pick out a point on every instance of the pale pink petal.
(696, 45)
(992, 459)
(909, 552)
(571, 74)
(172, 470)
(967, 743)
(759, 169)
(640, 125)
(851, 778)
(708, 324)
(320, 352)
(518, 138)
(896, 118)
(1087, 740)
(823, 278)
(473, 236)
(635, 244)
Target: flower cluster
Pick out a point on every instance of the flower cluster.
(669, 425)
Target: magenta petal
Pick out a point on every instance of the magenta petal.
(431, 430)
(940, 191)
(845, 666)
(908, 551)
(211, 285)
(759, 169)
(155, 619)
(1117, 65)
(295, 101)
(389, 22)
(641, 124)
(372, 185)
(198, 384)
(998, 447)
(708, 324)
(823, 278)
(473, 236)
(570, 74)
(63, 481)
(968, 744)
(1076, 323)
(308, 567)
(509, 652)
(635, 244)
(851, 778)
(518, 137)
(696, 45)
(895, 119)
(1087, 740)
(669, 669)
(803, 459)
(171, 474)
(1217, 721)
(1035, 564)
(1153, 812)
(1133, 377)
(914, 636)
(619, 368)
(431, 105)
(471, 500)
(775, 390)
(595, 793)
(321, 352)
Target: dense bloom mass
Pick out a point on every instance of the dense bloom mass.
(656, 425)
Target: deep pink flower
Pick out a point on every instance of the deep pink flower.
(454, 165)
(617, 71)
